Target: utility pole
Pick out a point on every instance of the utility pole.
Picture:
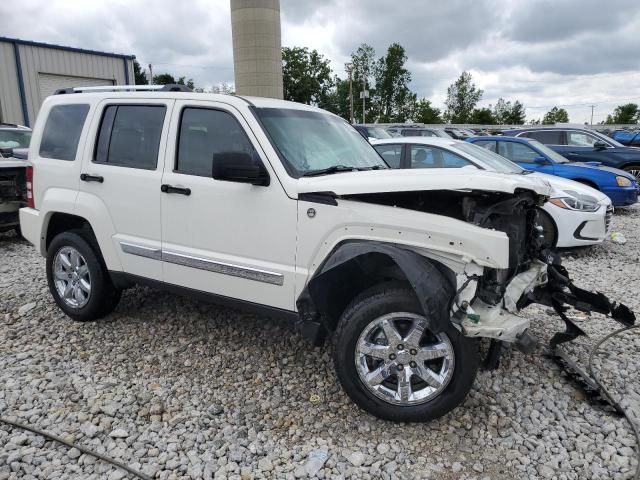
(150, 75)
(349, 68)
(364, 96)
(592, 107)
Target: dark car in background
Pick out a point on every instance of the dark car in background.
(530, 154)
(585, 145)
(629, 138)
(371, 132)
(416, 131)
(459, 133)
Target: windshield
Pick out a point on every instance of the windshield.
(553, 155)
(490, 160)
(377, 132)
(309, 141)
(14, 138)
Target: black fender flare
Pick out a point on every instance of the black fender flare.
(354, 266)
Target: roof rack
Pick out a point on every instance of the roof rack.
(172, 87)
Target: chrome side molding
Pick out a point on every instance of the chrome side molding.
(258, 275)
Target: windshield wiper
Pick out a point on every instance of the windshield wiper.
(526, 172)
(374, 167)
(329, 170)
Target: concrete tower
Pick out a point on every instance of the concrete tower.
(257, 55)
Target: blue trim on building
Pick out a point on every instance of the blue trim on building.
(126, 72)
(61, 47)
(23, 97)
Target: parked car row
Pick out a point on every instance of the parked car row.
(14, 141)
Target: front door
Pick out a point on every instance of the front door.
(223, 237)
(121, 175)
(525, 156)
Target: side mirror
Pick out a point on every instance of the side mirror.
(600, 145)
(239, 167)
(541, 161)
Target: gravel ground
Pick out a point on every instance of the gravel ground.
(181, 389)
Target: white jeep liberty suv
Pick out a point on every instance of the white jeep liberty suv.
(286, 209)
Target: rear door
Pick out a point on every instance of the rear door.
(121, 174)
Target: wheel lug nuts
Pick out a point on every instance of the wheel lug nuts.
(400, 367)
(392, 356)
(412, 364)
(401, 347)
(413, 351)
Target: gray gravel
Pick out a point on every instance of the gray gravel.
(181, 389)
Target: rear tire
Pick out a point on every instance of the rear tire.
(78, 279)
(448, 361)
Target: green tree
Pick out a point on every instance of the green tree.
(624, 114)
(139, 74)
(555, 115)
(482, 116)
(168, 79)
(337, 100)
(306, 74)
(393, 98)
(424, 112)
(363, 66)
(462, 98)
(507, 113)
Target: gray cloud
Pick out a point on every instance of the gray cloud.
(541, 51)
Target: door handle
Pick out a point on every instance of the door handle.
(85, 177)
(171, 189)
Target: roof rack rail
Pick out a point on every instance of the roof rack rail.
(171, 87)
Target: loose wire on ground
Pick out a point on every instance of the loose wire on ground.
(84, 450)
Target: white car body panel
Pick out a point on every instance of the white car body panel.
(567, 221)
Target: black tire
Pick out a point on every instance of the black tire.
(370, 305)
(104, 297)
(633, 170)
(550, 229)
(18, 231)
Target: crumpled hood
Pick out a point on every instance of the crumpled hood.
(405, 180)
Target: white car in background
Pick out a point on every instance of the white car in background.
(575, 215)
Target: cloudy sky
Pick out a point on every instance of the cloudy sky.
(571, 53)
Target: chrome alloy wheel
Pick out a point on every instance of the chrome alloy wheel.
(71, 277)
(401, 361)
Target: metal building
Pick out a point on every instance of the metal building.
(31, 71)
(257, 56)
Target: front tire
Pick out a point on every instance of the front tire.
(633, 170)
(78, 279)
(393, 366)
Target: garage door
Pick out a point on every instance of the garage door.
(50, 83)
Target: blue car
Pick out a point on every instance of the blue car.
(585, 145)
(630, 138)
(621, 187)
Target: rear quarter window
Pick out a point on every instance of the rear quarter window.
(62, 131)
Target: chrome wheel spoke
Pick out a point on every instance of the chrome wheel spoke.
(377, 376)
(404, 385)
(432, 352)
(85, 286)
(83, 270)
(65, 261)
(430, 377)
(380, 352)
(391, 332)
(60, 274)
(68, 290)
(415, 334)
(74, 257)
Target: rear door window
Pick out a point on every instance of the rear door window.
(580, 139)
(488, 144)
(129, 136)
(424, 156)
(62, 131)
(547, 137)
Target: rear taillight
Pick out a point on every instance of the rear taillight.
(30, 202)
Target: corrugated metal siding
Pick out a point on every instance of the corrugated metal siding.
(10, 109)
(37, 60)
